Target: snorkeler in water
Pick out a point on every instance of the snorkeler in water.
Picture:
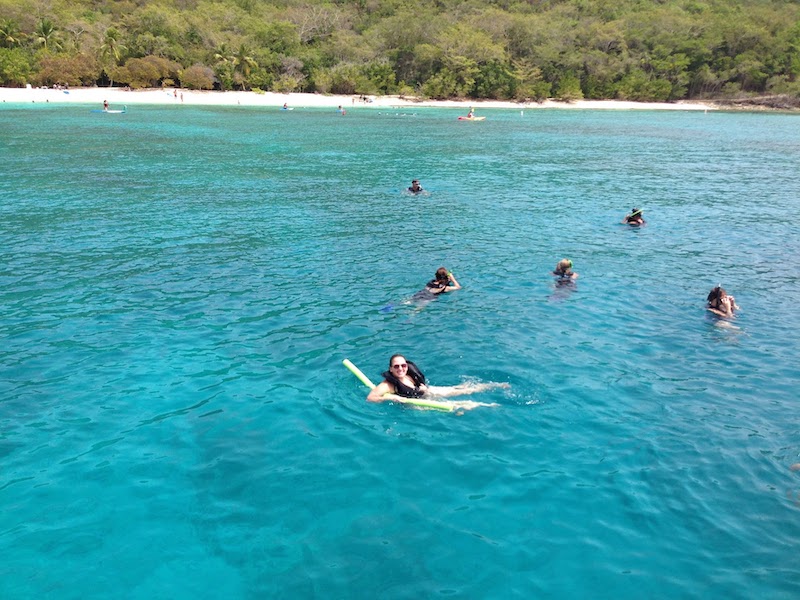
(564, 270)
(443, 281)
(415, 187)
(721, 303)
(634, 219)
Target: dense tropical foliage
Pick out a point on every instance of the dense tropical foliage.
(651, 50)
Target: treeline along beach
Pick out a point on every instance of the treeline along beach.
(478, 49)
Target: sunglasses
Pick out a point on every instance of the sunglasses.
(400, 366)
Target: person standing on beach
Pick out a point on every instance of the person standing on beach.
(105, 105)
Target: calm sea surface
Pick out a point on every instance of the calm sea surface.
(179, 286)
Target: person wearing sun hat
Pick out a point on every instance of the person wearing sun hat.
(564, 269)
(635, 218)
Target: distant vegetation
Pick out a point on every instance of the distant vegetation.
(648, 50)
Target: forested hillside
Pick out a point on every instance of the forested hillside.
(646, 50)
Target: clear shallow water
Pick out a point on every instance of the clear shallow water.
(179, 287)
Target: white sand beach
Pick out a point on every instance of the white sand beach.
(119, 97)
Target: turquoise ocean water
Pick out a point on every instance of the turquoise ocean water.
(179, 285)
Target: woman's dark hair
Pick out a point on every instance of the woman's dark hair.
(715, 295)
(413, 370)
(441, 274)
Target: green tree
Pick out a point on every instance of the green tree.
(74, 69)
(111, 48)
(10, 34)
(529, 82)
(749, 72)
(704, 83)
(280, 37)
(76, 31)
(568, 87)
(46, 35)
(292, 77)
(641, 87)
(15, 67)
(242, 63)
(495, 80)
(197, 77)
(111, 52)
(149, 71)
(381, 78)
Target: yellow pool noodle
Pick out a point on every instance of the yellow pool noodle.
(358, 373)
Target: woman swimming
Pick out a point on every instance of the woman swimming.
(564, 270)
(720, 303)
(404, 380)
(635, 218)
(443, 281)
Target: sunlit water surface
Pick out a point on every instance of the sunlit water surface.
(179, 286)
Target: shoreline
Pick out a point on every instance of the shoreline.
(119, 97)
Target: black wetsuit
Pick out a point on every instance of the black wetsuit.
(432, 289)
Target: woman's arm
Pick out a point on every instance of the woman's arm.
(455, 286)
(718, 312)
(381, 392)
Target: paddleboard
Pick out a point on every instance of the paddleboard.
(471, 118)
(111, 112)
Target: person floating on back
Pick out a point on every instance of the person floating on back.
(634, 219)
(415, 188)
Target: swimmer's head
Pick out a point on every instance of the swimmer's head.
(564, 265)
(441, 274)
(399, 361)
(635, 212)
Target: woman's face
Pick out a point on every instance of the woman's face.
(398, 366)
